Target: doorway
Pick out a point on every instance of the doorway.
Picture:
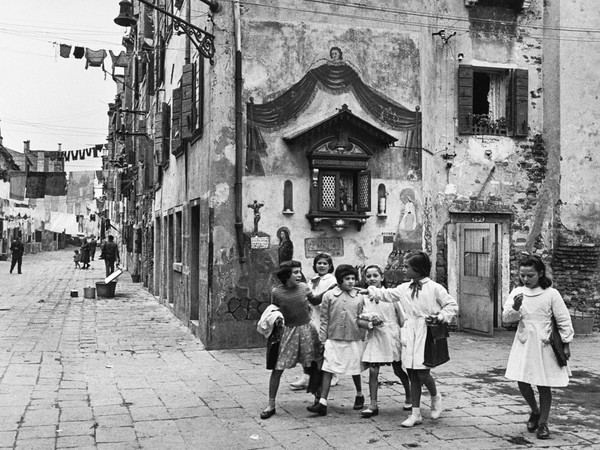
(478, 276)
(195, 264)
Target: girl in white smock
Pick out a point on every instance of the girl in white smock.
(532, 360)
(422, 300)
(383, 346)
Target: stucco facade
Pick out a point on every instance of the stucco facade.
(368, 152)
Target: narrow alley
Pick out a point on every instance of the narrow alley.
(124, 373)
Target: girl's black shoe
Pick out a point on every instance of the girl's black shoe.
(532, 423)
(543, 432)
(359, 402)
(267, 413)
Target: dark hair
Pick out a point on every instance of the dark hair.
(285, 231)
(343, 270)
(419, 262)
(111, 238)
(325, 256)
(338, 49)
(539, 266)
(284, 273)
(379, 269)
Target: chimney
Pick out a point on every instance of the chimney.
(59, 147)
(26, 146)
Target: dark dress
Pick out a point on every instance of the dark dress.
(85, 254)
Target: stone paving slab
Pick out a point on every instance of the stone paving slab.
(124, 373)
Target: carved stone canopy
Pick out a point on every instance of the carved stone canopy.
(343, 134)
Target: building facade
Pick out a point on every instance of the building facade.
(364, 131)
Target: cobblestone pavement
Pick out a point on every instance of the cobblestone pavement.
(123, 373)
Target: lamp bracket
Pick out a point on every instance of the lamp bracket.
(202, 40)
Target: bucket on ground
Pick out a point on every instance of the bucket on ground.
(106, 290)
(89, 292)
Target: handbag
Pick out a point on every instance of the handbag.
(436, 345)
(273, 342)
(557, 344)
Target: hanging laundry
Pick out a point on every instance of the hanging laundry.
(78, 52)
(95, 153)
(74, 154)
(120, 60)
(88, 152)
(66, 156)
(36, 184)
(17, 184)
(56, 183)
(65, 50)
(81, 154)
(95, 58)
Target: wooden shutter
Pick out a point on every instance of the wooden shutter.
(166, 127)
(187, 101)
(176, 144)
(520, 94)
(199, 96)
(465, 99)
(329, 191)
(363, 191)
(158, 136)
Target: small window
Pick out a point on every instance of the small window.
(344, 192)
(492, 101)
(178, 236)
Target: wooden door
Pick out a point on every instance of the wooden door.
(477, 262)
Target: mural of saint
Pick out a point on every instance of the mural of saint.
(286, 246)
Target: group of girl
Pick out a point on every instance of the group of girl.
(331, 334)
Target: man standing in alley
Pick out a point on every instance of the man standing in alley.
(17, 249)
(111, 254)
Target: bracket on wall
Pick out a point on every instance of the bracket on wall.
(338, 222)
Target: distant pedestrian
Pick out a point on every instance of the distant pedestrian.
(300, 340)
(17, 250)
(342, 338)
(77, 258)
(110, 253)
(85, 254)
(531, 359)
(382, 345)
(424, 301)
(93, 245)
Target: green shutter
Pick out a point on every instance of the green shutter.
(465, 99)
(176, 142)
(187, 101)
(520, 94)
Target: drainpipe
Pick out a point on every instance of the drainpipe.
(239, 125)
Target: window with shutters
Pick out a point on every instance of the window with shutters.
(493, 101)
(186, 117)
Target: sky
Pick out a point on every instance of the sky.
(48, 99)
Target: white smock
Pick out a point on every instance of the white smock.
(319, 285)
(531, 358)
(431, 299)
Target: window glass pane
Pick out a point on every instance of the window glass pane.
(476, 261)
(346, 192)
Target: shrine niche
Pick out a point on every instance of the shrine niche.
(339, 149)
(335, 76)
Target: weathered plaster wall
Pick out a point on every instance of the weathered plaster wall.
(579, 116)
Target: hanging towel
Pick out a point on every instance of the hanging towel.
(65, 50)
(17, 184)
(78, 52)
(95, 58)
(56, 183)
(36, 185)
(120, 60)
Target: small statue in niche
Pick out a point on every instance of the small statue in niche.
(256, 207)
(336, 56)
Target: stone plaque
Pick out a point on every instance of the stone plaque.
(332, 245)
(388, 237)
(260, 242)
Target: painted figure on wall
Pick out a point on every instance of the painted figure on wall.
(286, 247)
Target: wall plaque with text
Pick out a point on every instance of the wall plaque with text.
(332, 245)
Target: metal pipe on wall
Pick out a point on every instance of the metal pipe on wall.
(239, 137)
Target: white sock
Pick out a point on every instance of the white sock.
(323, 401)
(416, 411)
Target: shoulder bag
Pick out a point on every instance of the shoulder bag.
(273, 342)
(436, 345)
(557, 344)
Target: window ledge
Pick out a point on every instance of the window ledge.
(178, 267)
(337, 221)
